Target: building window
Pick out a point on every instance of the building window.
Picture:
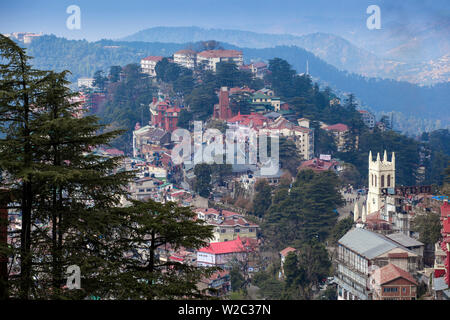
(382, 181)
(389, 180)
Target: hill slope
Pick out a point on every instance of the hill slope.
(333, 49)
(84, 58)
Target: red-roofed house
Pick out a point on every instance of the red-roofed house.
(392, 283)
(148, 65)
(164, 115)
(228, 225)
(283, 254)
(340, 133)
(221, 253)
(318, 165)
(252, 120)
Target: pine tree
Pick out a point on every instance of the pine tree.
(20, 85)
(148, 228)
(51, 171)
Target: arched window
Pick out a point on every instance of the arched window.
(389, 180)
(372, 179)
(375, 180)
(382, 180)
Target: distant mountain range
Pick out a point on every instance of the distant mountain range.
(83, 58)
(333, 49)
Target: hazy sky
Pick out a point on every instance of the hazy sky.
(114, 19)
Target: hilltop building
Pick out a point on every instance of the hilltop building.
(360, 253)
(148, 65)
(209, 58)
(185, 58)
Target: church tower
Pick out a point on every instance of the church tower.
(381, 175)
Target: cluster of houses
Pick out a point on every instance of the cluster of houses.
(380, 257)
(235, 235)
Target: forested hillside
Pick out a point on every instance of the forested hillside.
(83, 58)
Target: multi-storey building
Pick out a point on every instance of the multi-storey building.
(340, 133)
(222, 253)
(368, 118)
(148, 65)
(227, 225)
(360, 252)
(392, 283)
(164, 115)
(85, 82)
(303, 137)
(186, 58)
(209, 58)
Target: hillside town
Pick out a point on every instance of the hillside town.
(379, 257)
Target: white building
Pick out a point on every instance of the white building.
(210, 58)
(381, 175)
(186, 58)
(368, 118)
(85, 82)
(148, 65)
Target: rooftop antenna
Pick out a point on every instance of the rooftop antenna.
(307, 67)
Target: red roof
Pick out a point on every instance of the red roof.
(153, 58)
(391, 272)
(398, 255)
(232, 246)
(186, 52)
(318, 165)
(337, 127)
(445, 210)
(286, 251)
(446, 226)
(174, 258)
(115, 152)
(220, 53)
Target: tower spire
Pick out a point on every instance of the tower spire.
(385, 156)
(378, 157)
(364, 214)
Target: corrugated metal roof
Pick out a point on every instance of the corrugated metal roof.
(404, 240)
(367, 243)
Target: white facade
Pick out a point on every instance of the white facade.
(185, 58)
(85, 82)
(210, 58)
(148, 65)
(381, 175)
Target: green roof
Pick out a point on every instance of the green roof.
(259, 95)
